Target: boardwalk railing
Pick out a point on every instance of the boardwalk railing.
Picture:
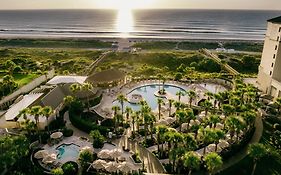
(218, 60)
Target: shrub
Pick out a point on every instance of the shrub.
(70, 168)
(85, 125)
(108, 123)
(67, 132)
(45, 137)
(58, 123)
(95, 101)
(98, 139)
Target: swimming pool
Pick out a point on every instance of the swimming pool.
(67, 152)
(147, 92)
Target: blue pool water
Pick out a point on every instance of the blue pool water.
(147, 93)
(66, 151)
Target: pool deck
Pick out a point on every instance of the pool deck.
(104, 108)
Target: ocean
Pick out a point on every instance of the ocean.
(169, 24)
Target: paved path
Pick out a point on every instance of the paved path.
(76, 132)
(91, 69)
(243, 153)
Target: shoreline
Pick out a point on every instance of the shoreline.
(129, 39)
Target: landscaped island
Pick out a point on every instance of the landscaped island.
(167, 108)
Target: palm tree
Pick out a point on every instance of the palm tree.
(209, 95)
(68, 100)
(235, 124)
(249, 117)
(256, 151)
(213, 162)
(36, 111)
(208, 136)
(10, 65)
(122, 99)
(74, 88)
(207, 106)
(171, 101)
(160, 131)
(192, 95)
(192, 161)
(228, 109)
(278, 103)
(160, 77)
(190, 142)
(181, 117)
(180, 94)
(146, 120)
(128, 112)
(134, 117)
(218, 100)
(87, 87)
(213, 120)
(160, 102)
(219, 134)
(177, 105)
(47, 111)
(23, 113)
(152, 119)
(115, 113)
(190, 116)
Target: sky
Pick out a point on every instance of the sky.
(140, 4)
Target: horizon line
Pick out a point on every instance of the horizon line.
(139, 9)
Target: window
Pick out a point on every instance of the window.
(277, 38)
(272, 64)
(276, 47)
(274, 56)
(270, 73)
(279, 29)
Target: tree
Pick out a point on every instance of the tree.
(12, 149)
(47, 111)
(134, 117)
(180, 94)
(207, 106)
(191, 160)
(160, 131)
(74, 88)
(219, 134)
(128, 112)
(189, 142)
(235, 124)
(57, 171)
(36, 111)
(189, 116)
(213, 120)
(87, 87)
(213, 162)
(228, 109)
(192, 95)
(256, 151)
(10, 66)
(181, 117)
(171, 101)
(68, 100)
(159, 102)
(85, 158)
(121, 99)
(98, 139)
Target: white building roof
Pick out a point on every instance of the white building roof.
(67, 79)
(26, 101)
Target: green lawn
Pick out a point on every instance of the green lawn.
(22, 80)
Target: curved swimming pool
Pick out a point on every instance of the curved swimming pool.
(147, 92)
(67, 152)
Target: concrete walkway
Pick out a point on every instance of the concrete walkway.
(243, 153)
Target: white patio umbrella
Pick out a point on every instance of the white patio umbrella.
(104, 154)
(99, 164)
(115, 153)
(197, 122)
(56, 135)
(223, 144)
(219, 126)
(162, 122)
(41, 154)
(170, 119)
(86, 148)
(184, 126)
(126, 167)
(111, 167)
(212, 148)
(51, 158)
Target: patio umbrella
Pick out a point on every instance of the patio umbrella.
(56, 135)
(126, 167)
(51, 158)
(86, 148)
(41, 154)
(223, 144)
(170, 119)
(104, 154)
(184, 126)
(111, 167)
(99, 164)
(162, 122)
(115, 153)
